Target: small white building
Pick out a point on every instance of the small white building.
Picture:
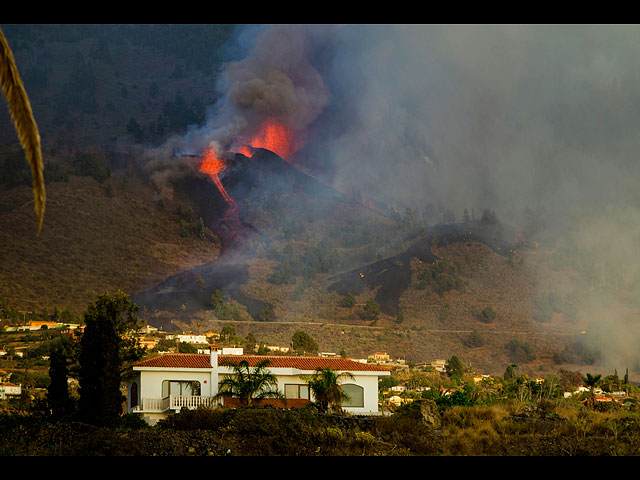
(277, 348)
(10, 389)
(439, 365)
(188, 338)
(148, 329)
(164, 384)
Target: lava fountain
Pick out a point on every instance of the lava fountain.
(212, 165)
(272, 136)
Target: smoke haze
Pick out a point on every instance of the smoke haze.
(525, 120)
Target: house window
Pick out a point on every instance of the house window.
(296, 391)
(180, 387)
(355, 393)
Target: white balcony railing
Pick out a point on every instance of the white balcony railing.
(175, 402)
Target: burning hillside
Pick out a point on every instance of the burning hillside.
(390, 277)
(272, 102)
(215, 193)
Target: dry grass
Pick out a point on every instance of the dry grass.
(90, 242)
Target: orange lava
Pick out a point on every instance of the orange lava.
(272, 136)
(212, 166)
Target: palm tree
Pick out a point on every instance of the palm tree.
(591, 381)
(326, 388)
(250, 384)
(22, 116)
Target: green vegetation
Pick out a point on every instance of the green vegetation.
(223, 309)
(442, 414)
(488, 315)
(250, 384)
(460, 426)
(521, 352)
(326, 389)
(371, 309)
(302, 342)
(105, 350)
(348, 301)
(441, 277)
(313, 260)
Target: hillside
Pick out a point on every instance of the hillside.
(97, 236)
(106, 95)
(433, 326)
(87, 83)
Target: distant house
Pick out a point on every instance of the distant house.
(601, 399)
(165, 384)
(446, 391)
(583, 389)
(212, 334)
(10, 389)
(439, 365)
(188, 338)
(42, 324)
(148, 329)
(380, 357)
(149, 344)
(33, 325)
(277, 348)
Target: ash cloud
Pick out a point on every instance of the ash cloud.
(274, 79)
(511, 118)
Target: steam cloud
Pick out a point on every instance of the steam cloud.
(511, 118)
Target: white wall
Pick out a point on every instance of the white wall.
(150, 385)
(150, 382)
(290, 376)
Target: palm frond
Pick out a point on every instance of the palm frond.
(250, 384)
(22, 116)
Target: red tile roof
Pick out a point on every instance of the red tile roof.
(198, 360)
(303, 363)
(177, 360)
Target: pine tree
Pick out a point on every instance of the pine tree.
(302, 342)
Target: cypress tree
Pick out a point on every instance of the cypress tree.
(104, 351)
(58, 397)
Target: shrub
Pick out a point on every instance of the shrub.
(364, 438)
(488, 315)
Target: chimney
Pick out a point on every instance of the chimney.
(213, 359)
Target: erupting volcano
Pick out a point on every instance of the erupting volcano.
(272, 136)
(228, 195)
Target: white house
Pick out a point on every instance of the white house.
(188, 338)
(164, 384)
(10, 389)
